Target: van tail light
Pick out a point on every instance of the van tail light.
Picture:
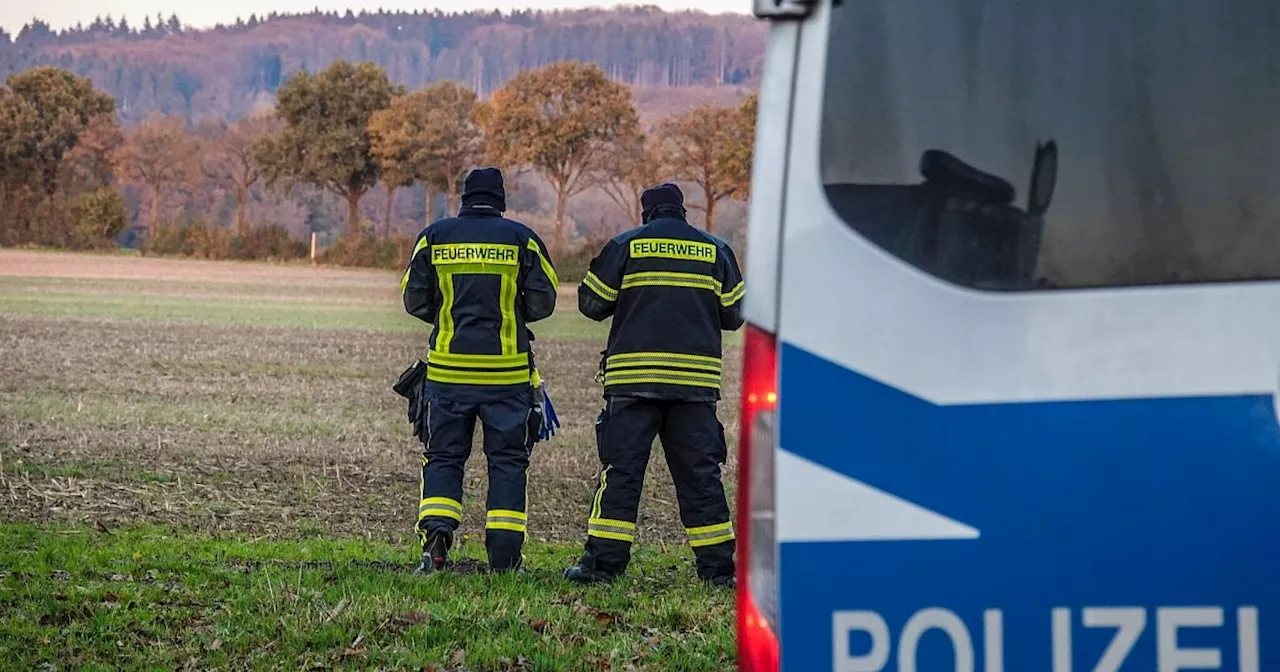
(757, 547)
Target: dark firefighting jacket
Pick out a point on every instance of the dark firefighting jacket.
(671, 290)
(479, 278)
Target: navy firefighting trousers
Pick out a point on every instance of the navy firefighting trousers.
(694, 446)
(507, 444)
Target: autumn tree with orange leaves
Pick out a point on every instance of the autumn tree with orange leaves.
(631, 166)
(430, 136)
(563, 121)
(711, 147)
(159, 153)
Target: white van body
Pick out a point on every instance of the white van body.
(953, 460)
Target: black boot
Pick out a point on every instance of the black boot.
(586, 572)
(435, 554)
(723, 581)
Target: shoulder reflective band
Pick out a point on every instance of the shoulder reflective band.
(710, 535)
(595, 284)
(607, 528)
(670, 279)
(669, 248)
(404, 280)
(473, 253)
(734, 295)
(442, 507)
(506, 519)
(545, 262)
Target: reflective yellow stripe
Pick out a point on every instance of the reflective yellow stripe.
(734, 295)
(666, 363)
(441, 501)
(444, 330)
(508, 307)
(606, 528)
(604, 483)
(623, 356)
(671, 248)
(659, 378)
(477, 377)
(404, 281)
(442, 507)
(465, 361)
(595, 284)
(506, 519)
(622, 525)
(710, 535)
(546, 263)
(718, 527)
(670, 279)
(422, 490)
(479, 269)
(698, 543)
(674, 359)
(475, 253)
(625, 373)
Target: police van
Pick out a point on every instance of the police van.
(1013, 341)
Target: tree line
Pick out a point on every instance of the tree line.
(156, 64)
(71, 176)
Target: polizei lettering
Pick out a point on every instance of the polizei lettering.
(474, 253)
(668, 248)
(1089, 639)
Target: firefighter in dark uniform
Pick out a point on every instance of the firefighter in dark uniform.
(479, 278)
(671, 289)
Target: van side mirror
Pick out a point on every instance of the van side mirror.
(1044, 178)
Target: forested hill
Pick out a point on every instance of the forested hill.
(673, 60)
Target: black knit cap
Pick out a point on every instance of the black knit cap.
(664, 197)
(484, 188)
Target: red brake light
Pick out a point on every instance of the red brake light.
(757, 644)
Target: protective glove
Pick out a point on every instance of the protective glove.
(550, 421)
(412, 386)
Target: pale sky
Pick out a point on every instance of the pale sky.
(203, 14)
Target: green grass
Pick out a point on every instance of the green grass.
(242, 305)
(148, 597)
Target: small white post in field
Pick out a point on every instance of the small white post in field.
(313, 247)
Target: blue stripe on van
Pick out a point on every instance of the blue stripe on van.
(1135, 502)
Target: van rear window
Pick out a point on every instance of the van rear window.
(1015, 144)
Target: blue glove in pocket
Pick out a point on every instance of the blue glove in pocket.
(550, 421)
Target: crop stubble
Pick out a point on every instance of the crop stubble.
(270, 431)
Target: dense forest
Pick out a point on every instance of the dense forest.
(672, 61)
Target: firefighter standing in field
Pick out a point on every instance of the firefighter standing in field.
(671, 289)
(479, 278)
